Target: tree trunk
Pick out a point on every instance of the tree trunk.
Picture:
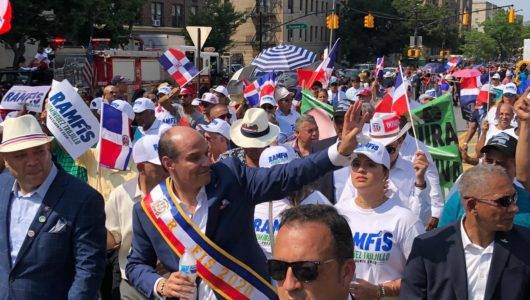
(18, 50)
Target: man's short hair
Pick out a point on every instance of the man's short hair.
(476, 178)
(327, 215)
(166, 146)
(302, 119)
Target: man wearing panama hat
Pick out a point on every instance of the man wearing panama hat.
(53, 242)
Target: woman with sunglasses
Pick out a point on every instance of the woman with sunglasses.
(383, 230)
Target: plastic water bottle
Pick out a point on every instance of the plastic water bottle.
(188, 267)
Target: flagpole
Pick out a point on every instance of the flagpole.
(489, 88)
(193, 78)
(98, 147)
(408, 107)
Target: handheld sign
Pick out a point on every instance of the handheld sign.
(70, 120)
(30, 96)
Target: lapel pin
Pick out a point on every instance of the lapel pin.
(42, 219)
(504, 241)
(31, 233)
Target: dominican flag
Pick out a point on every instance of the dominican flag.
(115, 145)
(251, 94)
(452, 63)
(328, 64)
(6, 14)
(469, 90)
(399, 96)
(178, 66)
(379, 66)
(266, 84)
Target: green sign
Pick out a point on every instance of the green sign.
(438, 132)
(297, 26)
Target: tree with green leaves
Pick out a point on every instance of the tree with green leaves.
(479, 46)
(223, 18)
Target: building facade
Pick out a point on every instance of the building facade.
(306, 26)
(483, 11)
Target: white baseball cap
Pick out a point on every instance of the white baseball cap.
(276, 155)
(374, 151)
(196, 102)
(280, 93)
(509, 73)
(267, 100)
(496, 76)
(222, 90)
(125, 107)
(510, 88)
(95, 104)
(165, 89)
(217, 126)
(146, 149)
(142, 104)
(210, 98)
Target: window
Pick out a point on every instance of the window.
(306, 6)
(311, 34)
(301, 5)
(305, 35)
(289, 35)
(326, 7)
(290, 5)
(156, 14)
(316, 8)
(322, 33)
(311, 5)
(177, 15)
(322, 7)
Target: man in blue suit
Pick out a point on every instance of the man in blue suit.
(52, 225)
(220, 198)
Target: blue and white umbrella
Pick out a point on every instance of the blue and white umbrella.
(283, 58)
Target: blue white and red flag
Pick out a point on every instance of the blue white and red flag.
(115, 145)
(178, 66)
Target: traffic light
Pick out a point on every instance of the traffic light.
(465, 18)
(511, 15)
(332, 21)
(413, 53)
(444, 53)
(369, 21)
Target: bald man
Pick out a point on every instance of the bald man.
(207, 209)
(109, 93)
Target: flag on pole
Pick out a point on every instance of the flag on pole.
(379, 66)
(305, 76)
(309, 102)
(452, 63)
(178, 66)
(327, 65)
(266, 84)
(385, 105)
(115, 145)
(399, 95)
(251, 94)
(469, 90)
(6, 14)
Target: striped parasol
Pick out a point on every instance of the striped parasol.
(283, 58)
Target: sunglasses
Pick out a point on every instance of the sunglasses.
(304, 271)
(505, 201)
(225, 116)
(390, 149)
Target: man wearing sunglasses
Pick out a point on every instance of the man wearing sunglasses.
(481, 256)
(221, 111)
(313, 254)
(500, 150)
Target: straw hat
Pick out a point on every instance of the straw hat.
(254, 130)
(384, 128)
(22, 133)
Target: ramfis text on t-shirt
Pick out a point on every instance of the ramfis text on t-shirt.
(372, 248)
(261, 227)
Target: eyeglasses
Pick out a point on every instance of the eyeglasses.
(390, 149)
(505, 201)
(304, 271)
(225, 116)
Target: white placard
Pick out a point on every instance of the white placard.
(30, 96)
(70, 120)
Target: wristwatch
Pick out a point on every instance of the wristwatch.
(382, 292)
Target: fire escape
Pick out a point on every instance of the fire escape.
(264, 17)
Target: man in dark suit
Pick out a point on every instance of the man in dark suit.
(219, 199)
(52, 228)
(482, 256)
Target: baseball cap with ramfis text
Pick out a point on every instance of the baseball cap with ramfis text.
(374, 151)
(146, 149)
(217, 126)
(143, 104)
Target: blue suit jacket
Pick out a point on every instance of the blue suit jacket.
(230, 227)
(436, 267)
(68, 264)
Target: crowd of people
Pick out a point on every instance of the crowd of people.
(266, 207)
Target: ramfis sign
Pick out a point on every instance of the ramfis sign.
(20, 96)
(70, 120)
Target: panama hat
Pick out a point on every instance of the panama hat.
(384, 128)
(22, 133)
(254, 130)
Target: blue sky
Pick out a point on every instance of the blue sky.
(524, 5)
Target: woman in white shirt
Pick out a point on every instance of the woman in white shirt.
(269, 212)
(383, 230)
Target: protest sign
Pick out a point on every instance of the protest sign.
(438, 132)
(70, 120)
(30, 96)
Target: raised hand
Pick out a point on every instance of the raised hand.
(353, 125)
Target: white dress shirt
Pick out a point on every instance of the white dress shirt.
(24, 207)
(478, 262)
(200, 217)
(408, 152)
